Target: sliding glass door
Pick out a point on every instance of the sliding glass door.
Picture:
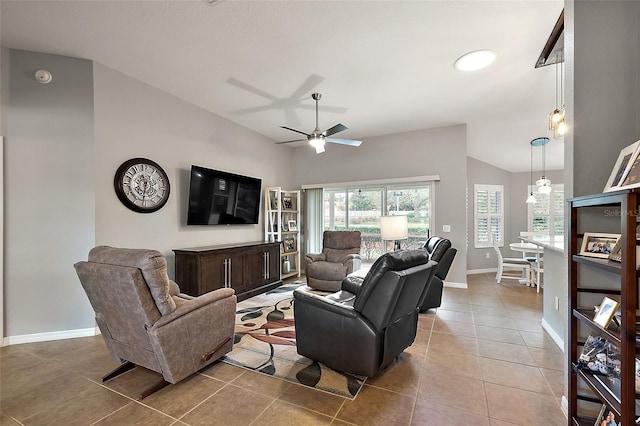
(359, 209)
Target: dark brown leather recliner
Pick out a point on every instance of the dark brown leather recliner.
(440, 250)
(363, 327)
(340, 256)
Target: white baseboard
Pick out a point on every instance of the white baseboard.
(564, 406)
(54, 335)
(481, 271)
(559, 341)
(454, 285)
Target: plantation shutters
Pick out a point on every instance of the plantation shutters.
(488, 214)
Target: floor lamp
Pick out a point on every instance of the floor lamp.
(394, 228)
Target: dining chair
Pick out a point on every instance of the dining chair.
(511, 262)
(537, 262)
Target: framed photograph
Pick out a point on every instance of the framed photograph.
(626, 159)
(605, 312)
(287, 204)
(598, 245)
(292, 225)
(631, 178)
(289, 245)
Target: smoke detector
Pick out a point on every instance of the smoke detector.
(43, 76)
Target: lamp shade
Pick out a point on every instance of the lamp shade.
(394, 227)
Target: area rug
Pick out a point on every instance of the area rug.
(265, 342)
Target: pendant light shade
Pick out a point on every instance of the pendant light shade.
(543, 184)
(556, 118)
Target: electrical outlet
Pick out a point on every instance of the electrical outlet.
(557, 303)
(488, 255)
(446, 228)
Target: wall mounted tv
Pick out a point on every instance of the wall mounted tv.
(222, 198)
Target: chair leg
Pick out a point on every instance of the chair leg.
(122, 368)
(499, 274)
(155, 388)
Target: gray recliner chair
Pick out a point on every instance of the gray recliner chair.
(370, 321)
(440, 250)
(144, 319)
(340, 256)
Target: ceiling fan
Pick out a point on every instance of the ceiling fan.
(318, 138)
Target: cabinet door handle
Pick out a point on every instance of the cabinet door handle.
(225, 272)
(229, 276)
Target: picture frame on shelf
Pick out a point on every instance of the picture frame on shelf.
(287, 203)
(605, 312)
(289, 245)
(626, 159)
(273, 199)
(616, 252)
(598, 244)
(292, 225)
(631, 178)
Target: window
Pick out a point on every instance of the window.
(547, 214)
(488, 202)
(359, 209)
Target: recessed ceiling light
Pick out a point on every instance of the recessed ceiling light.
(476, 60)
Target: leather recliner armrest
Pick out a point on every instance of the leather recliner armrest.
(324, 303)
(352, 284)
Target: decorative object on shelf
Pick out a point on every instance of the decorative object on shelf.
(605, 312)
(621, 168)
(598, 244)
(289, 245)
(631, 178)
(142, 185)
(543, 184)
(317, 138)
(394, 228)
(287, 204)
(292, 225)
(606, 417)
(599, 356)
(616, 252)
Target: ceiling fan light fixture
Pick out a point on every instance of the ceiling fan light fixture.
(317, 141)
(476, 60)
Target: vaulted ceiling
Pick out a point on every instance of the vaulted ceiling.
(382, 67)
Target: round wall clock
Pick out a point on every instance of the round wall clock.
(141, 185)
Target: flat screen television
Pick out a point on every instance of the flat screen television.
(222, 198)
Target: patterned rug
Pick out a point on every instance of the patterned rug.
(265, 341)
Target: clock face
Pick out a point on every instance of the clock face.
(142, 185)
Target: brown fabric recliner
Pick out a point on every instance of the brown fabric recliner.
(144, 319)
(340, 256)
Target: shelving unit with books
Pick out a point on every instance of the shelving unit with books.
(282, 224)
(591, 280)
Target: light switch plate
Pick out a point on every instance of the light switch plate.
(446, 228)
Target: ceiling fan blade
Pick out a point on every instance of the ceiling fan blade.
(349, 142)
(294, 130)
(335, 129)
(312, 81)
(295, 140)
(250, 88)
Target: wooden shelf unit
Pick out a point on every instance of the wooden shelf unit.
(281, 207)
(621, 401)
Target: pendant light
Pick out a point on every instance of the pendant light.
(531, 199)
(556, 118)
(543, 184)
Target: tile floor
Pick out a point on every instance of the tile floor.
(482, 359)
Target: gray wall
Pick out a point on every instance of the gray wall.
(4, 86)
(49, 193)
(59, 168)
(441, 151)
(134, 119)
(602, 92)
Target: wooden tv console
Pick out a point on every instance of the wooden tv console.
(248, 268)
